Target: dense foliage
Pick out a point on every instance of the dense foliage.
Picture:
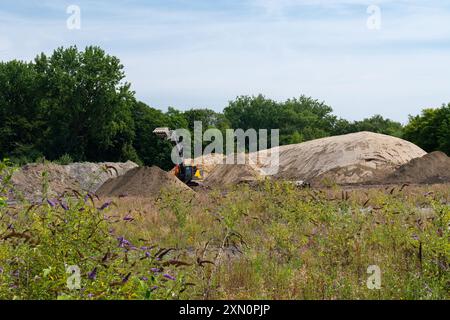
(431, 129)
(75, 105)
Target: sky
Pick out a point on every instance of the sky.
(388, 57)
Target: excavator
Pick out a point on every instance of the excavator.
(191, 175)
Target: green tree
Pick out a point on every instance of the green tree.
(376, 124)
(430, 130)
(151, 149)
(298, 119)
(21, 121)
(87, 105)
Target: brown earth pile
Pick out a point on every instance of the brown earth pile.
(30, 181)
(431, 168)
(142, 182)
(353, 158)
(224, 174)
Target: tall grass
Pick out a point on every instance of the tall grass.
(272, 241)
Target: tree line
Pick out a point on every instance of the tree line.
(75, 105)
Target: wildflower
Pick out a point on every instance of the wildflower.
(128, 218)
(144, 278)
(155, 270)
(64, 206)
(168, 276)
(147, 254)
(123, 242)
(52, 203)
(1, 270)
(126, 278)
(93, 274)
(105, 205)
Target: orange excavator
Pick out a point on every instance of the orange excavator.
(191, 175)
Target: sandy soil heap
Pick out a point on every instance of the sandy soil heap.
(352, 158)
(29, 180)
(142, 182)
(92, 176)
(223, 175)
(431, 168)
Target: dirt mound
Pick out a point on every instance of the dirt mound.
(352, 158)
(29, 180)
(92, 176)
(32, 180)
(224, 174)
(431, 168)
(141, 182)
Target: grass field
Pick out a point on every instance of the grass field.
(273, 241)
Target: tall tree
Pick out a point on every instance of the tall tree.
(431, 129)
(21, 122)
(87, 105)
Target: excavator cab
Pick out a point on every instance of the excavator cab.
(190, 174)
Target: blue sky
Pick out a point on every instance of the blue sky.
(199, 53)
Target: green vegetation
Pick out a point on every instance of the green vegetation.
(431, 129)
(76, 105)
(273, 241)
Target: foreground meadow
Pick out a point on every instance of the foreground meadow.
(271, 241)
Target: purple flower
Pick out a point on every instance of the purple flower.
(155, 270)
(90, 295)
(1, 270)
(144, 278)
(123, 242)
(147, 255)
(64, 206)
(52, 203)
(168, 276)
(93, 274)
(126, 278)
(128, 218)
(105, 205)
(155, 288)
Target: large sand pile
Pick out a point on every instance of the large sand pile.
(30, 180)
(142, 182)
(92, 176)
(431, 168)
(353, 158)
(224, 175)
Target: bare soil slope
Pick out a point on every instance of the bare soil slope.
(30, 180)
(429, 169)
(142, 182)
(353, 158)
(224, 174)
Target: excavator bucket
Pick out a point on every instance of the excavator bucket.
(163, 133)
